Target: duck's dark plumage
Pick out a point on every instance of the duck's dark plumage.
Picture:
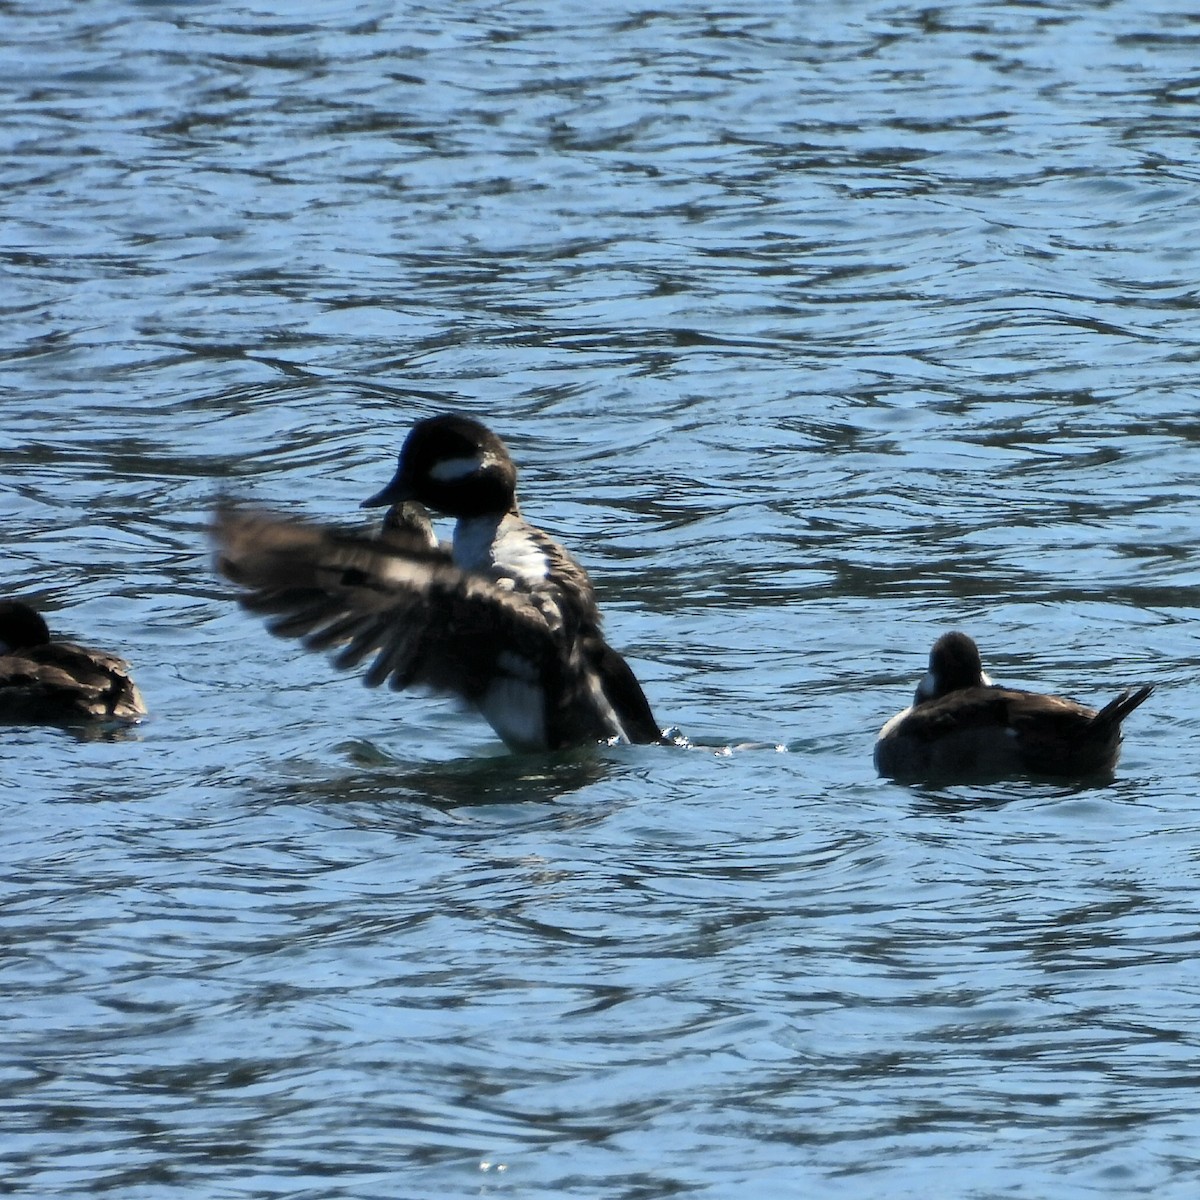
(506, 619)
(961, 726)
(45, 681)
(406, 527)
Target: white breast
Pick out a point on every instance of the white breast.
(893, 724)
(505, 549)
(514, 705)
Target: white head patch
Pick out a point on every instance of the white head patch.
(450, 470)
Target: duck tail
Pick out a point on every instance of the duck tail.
(1109, 718)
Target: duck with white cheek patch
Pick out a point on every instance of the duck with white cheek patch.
(504, 618)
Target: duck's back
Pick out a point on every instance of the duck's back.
(995, 731)
(60, 681)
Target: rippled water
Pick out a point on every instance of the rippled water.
(816, 330)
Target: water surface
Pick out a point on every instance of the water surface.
(816, 332)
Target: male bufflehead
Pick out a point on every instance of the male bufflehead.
(963, 726)
(504, 618)
(46, 682)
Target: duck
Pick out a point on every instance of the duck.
(962, 726)
(502, 617)
(45, 681)
(406, 526)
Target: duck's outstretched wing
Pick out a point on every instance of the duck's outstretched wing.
(426, 622)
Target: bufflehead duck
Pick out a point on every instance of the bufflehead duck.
(43, 681)
(963, 726)
(504, 618)
(406, 526)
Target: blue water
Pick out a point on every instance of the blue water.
(816, 331)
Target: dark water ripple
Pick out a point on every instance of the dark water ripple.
(815, 333)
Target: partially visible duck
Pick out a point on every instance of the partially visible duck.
(406, 526)
(962, 726)
(504, 618)
(43, 681)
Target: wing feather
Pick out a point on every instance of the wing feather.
(427, 622)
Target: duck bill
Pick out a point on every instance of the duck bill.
(395, 493)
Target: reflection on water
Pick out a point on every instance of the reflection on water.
(493, 778)
(815, 334)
